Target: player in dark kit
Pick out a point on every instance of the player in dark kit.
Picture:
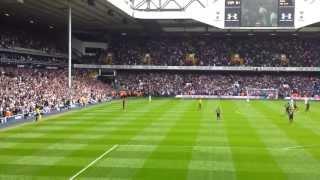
(124, 103)
(295, 106)
(307, 103)
(287, 108)
(290, 114)
(37, 113)
(218, 113)
(307, 107)
(199, 104)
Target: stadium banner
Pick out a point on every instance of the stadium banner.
(199, 68)
(217, 97)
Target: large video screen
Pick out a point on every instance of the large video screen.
(259, 13)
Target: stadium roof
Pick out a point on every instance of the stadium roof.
(99, 15)
(90, 15)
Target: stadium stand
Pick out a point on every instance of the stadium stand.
(232, 84)
(209, 51)
(22, 89)
(11, 38)
(30, 48)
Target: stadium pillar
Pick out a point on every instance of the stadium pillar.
(70, 50)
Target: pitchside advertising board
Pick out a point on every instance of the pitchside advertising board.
(259, 13)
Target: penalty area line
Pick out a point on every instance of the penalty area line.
(94, 161)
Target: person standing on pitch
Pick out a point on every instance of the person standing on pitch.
(291, 103)
(218, 113)
(199, 104)
(287, 108)
(124, 103)
(290, 114)
(38, 113)
(150, 99)
(306, 102)
(295, 106)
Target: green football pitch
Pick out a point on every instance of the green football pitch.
(166, 139)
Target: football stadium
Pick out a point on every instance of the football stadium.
(159, 89)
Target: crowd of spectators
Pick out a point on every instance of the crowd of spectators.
(185, 51)
(11, 38)
(208, 51)
(29, 48)
(22, 89)
(227, 84)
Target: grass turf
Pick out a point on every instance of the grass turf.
(167, 139)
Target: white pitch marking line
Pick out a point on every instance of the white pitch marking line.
(217, 147)
(94, 161)
(301, 147)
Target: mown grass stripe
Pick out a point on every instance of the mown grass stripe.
(249, 163)
(148, 122)
(111, 138)
(94, 161)
(288, 163)
(166, 136)
(53, 142)
(104, 136)
(302, 136)
(147, 173)
(211, 159)
(140, 138)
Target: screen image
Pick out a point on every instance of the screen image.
(259, 13)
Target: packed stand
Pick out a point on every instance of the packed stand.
(208, 51)
(11, 38)
(22, 89)
(26, 47)
(227, 84)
